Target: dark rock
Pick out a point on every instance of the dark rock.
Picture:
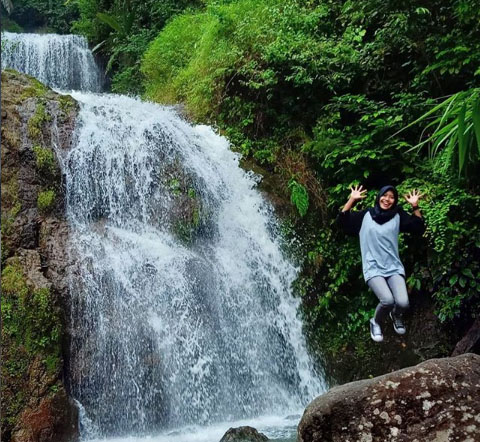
(54, 419)
(470, 342)
(243, 434)
(436, 400)
(25, 230)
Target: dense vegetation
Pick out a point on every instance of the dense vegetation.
(321, 95)
(317, 92)
(121, 31)
(38, 15)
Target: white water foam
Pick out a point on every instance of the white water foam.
(280, 429)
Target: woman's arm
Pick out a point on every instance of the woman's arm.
(412, 223)
(356, 194)
(351, 222)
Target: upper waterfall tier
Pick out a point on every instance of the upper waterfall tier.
(60, 61)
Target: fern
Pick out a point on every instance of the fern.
(298, 196)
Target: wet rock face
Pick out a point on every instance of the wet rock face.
(243, 434)
(437, 400)
(35, 405)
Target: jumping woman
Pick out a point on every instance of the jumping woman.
(378, 228)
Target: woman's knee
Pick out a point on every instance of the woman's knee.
(387, 303)
(402, 304)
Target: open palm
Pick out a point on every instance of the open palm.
(357, 193)
(413, 197)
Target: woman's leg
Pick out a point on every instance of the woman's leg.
(379, 286)
(399, 289)
(400, 295)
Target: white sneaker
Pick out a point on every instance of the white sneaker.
(375, 331)
(398, 324)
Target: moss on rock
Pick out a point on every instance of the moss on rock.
(36, 121)
(31, 332)
(45, 158)
(45, 200)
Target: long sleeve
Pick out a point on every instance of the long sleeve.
(411, 223)
(351, 222)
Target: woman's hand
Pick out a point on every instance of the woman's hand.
(413, 197)
(357, 193)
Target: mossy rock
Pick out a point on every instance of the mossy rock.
(32, 304)
(30, 338)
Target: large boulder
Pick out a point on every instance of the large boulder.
(437, 400)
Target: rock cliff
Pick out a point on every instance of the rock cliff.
(35, 403)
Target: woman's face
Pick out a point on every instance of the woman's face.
(387, 200)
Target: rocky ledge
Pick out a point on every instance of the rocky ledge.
(436, 400)
(37, 125)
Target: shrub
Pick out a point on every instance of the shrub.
(45, 200)
(45, 159)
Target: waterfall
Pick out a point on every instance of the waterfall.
(181, 304)
(173, 329)
(60, 61)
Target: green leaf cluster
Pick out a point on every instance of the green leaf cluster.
(298, 196)
(45, 159)
(46, 200)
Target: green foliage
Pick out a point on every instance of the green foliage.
(29, 315)
(42, 16)
(9, 25)
(36, 89)
(43, 330)
(45, 159)
(30, 331)
(298, 196)
(233, 49)
(67, 103)
(457, 127)
(121, 32)
(36, 121)
(46, 200)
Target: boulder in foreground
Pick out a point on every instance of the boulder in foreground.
(437, 400)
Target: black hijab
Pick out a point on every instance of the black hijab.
(379, 215)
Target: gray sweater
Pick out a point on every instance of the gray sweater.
(379, 247)
(379, 242)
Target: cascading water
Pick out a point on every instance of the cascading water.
(59, 61)
(172, 330)
(182, 312)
